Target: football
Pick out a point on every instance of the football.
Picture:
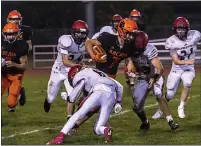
(100, 53)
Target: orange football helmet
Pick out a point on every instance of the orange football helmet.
(14, 17)
(135, 15)
(10, 32)
(126, 28)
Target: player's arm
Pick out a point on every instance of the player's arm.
(89, 46)
(30, 44)
(177, 61)
(76, 91)
(66, 61)
(23, 65)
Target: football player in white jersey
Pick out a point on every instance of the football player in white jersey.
(150, 69)
(110, 29)
(71, 50)
(104, 92)
(182, 46)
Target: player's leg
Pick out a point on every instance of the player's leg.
(22, 96)
(70, 106)
(14, 90)
(54, 84)
(187, 78)
(163, 104)
(107, 103)
(4, 85)
(139, 96)
(92, 101)
(172, 84)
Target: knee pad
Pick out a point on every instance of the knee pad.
(187, 84)
(158, 93)
(169, 94)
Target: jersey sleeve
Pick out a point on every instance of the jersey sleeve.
(64, 43)
(105, 38)
(96, 35)
(170, 44)
(196, 36)
(151, 51)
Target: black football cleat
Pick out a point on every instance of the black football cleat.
(46, 106)
(145, 126)
(22, 99)
(173, 125)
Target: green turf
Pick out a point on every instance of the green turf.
(31, 117)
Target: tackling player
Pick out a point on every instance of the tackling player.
(110, 29)
(150, 71)
(182, 46)
(71, 51)
(25, 34)
(14, 62)
(104, 92)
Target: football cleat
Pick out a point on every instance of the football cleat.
(145, 126)
(181, 112)
(22, 98)
(108, 134)
(46, 106)
(173, 125)
(11, 109)
(56, 141)
(158, 114)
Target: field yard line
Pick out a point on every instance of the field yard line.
(48, 128)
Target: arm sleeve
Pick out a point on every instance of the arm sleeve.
(76, 90)
(119, 90)
(173, 52)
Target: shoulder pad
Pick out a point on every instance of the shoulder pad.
(65, 41)
(170, 43)
(105, 29)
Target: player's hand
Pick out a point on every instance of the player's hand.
(151, 83)
(117, 108)
(189, 62)
(10, 64)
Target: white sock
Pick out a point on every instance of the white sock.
(182, 104)
(169, 118)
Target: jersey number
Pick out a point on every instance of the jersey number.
(71, 57)
(184, 54)
(100, 73)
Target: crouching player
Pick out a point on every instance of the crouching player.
(104, 92)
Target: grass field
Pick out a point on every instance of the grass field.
(30, 125)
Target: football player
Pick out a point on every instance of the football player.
(103, 92)
(25, 34)
(117, 48)
(71, 51)
(182, 46)
(110, 29)
(136, 16)
(14, 62)
(151, 76)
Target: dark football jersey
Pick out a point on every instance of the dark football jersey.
(26, 32)
(115, 54)
(13, 52)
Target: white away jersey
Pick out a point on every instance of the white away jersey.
(93, 77)
(67, 46)
(183, 49)
(104, 29)
(143, 62)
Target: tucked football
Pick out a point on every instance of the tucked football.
(100, 53)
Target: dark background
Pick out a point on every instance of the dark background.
(52, 19)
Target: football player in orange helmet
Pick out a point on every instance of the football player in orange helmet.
(14, 58)
(25, 34)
